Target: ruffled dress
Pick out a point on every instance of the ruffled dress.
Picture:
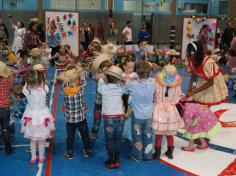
(214, 94)
(37, 121)
(166, 118)
(203, 123)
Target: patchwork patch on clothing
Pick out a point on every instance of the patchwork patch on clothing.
(139, 146)
(148, 149)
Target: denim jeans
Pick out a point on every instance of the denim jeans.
(142, 138)
(84, 132)
(96, 118)
(113, 128)
(127, 129)
(4, 123)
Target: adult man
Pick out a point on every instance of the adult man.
(127, 34)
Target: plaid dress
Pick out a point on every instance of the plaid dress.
(74, 107)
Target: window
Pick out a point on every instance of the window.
(223, 6)
(194, 8)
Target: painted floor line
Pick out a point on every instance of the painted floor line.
(212, 146)
(17, 145)
(49, 158)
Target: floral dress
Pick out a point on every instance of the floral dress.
(201, 121)
(166, 118)
(214, 94)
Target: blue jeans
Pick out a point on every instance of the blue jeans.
(127, 129)
(142, 138)
(113, 128)
(4, 123)
(96, 118)
(84, 132)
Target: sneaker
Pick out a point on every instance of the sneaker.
(188, 149)
(33, 161)
(133, 158)
(87, 153)
(69, 155)
(41, 160)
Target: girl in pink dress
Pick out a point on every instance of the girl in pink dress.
(166, 118)
(200, 123)
(37, 121)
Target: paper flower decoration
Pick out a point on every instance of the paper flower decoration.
(70, 15)
(169, 78)
(73, 23)
(64, 34)
(65, 17)
(69, 22)
(70, 33)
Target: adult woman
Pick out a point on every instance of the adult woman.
(113, 33)
(210, 86)
(203, 37)
(84, 34)
(19, 32)
(143, 33)
(53, 38)
(31, 39)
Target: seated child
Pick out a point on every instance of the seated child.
(62, 58)
(200, 122)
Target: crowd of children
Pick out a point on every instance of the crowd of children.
(133, 102)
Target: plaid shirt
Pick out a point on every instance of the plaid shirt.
(31, 40)
(74, 107)
(5, 88)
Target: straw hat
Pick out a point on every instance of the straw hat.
(4, 71)
(71, 75)
(36, 20)
(115, 71)
(110, 48)
(35, 52)
(169, 76)
(100, 59)
(216, 51)
(39, 67)
(96, 40)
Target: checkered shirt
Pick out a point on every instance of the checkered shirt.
(5, 89)
(74, 107)
(31, 40)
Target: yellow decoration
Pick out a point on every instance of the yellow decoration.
(71, 90)
(12, 57)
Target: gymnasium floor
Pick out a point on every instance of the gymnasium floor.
(216, 160)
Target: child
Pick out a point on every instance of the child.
(141, 52)
(19, 103)
(6, 81)
(36, 55)
(37, 121)
(113, 113)
(200, 123)
(46, 54)
(166, 119)
(75, 110)
(68, 51)
(62, 58)
(128, 74)
(142, 91)
(100, 64)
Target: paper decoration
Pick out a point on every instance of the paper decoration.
(58, 19)
(73, 23)
(70, 33)
(64, 34)
(65, 17)
(70, 15)
(69, 22)
(61, 26)
(74, 29)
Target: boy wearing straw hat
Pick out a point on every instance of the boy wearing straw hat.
(6, 81)
(113, 113)
(74, 108)
(100, 64)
